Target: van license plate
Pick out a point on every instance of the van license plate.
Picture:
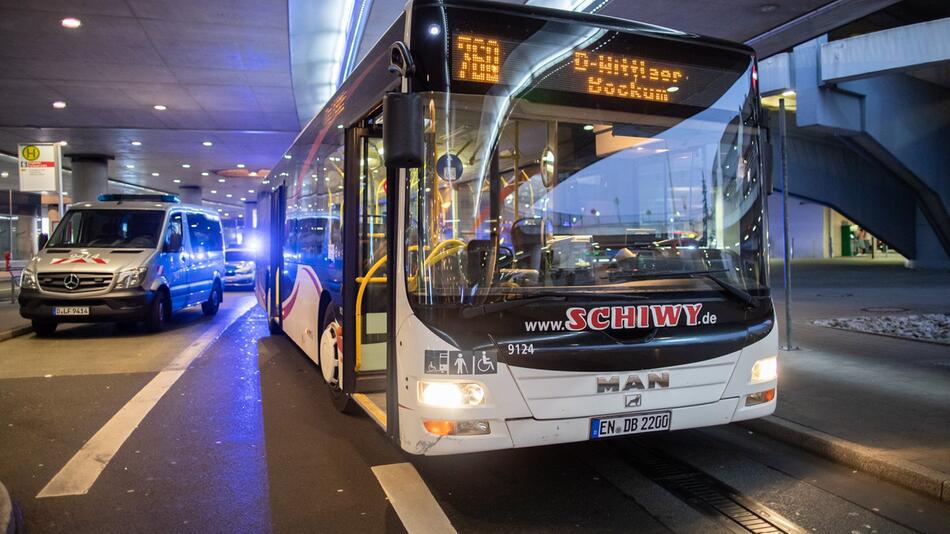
(606, 427)
(71, 310)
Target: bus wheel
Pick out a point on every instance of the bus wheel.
(331, 363)
(273, 323)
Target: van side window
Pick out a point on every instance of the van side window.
(173, 235)
(205, 233)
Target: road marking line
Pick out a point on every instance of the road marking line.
(412, 500)
(84, 468)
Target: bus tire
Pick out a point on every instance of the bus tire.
(273, 323)
(330, 356)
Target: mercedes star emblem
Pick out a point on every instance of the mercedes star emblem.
(71, 281)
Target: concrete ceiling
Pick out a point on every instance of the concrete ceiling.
(735, 20)
(223, 68)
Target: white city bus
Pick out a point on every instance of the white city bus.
(514, 226)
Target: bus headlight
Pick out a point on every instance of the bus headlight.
(765, 369)
(131, 278)
(451, 394)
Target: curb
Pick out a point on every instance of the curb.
(15, 331)
(9, 514)
(880, 463)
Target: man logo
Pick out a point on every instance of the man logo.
(607, 384)
(71, 282)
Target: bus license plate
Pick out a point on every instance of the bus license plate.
(71, 310)
(629, 424)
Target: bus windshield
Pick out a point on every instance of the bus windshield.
(540, 192)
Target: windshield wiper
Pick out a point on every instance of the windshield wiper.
(472, 311)
(734, 291)
(478, 310)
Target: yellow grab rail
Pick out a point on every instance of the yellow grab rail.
(435, 256)
(364, 281)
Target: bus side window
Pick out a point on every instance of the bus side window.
(336, 241)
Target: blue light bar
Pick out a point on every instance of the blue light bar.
(114, 197)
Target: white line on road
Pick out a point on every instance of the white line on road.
(412, 500)
(84, 468)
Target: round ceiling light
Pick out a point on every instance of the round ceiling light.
(71, 22)
(59, 104)
(160, 107)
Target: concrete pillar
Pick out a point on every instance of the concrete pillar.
(90, 176)
(250, 217)
(190, 194)
(52, 213)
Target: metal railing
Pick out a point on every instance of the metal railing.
(11, 276)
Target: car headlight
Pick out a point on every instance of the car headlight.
(451, 394)
(131, 278)
(28, 279)
(245, 267)
(765, 369)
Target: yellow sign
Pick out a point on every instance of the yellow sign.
(31, 153)
(480, 59)
(39, 165)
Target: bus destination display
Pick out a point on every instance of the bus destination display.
(481, 59)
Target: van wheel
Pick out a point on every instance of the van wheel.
(158, 313)
(44, 328)
(210, 307)
(331, 360)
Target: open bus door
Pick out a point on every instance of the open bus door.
(369, 301)
(275, 260)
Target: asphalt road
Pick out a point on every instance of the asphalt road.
(246, 440)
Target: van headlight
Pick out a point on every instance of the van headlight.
(765, 369)
(28, 279)
(131, 278)
(451, 394)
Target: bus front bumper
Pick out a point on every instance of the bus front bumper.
(530, 432)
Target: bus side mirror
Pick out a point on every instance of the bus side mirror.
(42, 241)
(403, 130)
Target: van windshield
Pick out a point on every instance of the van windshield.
(108, 229)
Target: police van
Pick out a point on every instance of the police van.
(125, 259)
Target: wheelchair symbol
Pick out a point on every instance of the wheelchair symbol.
(484, 365)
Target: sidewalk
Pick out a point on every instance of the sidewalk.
(11, 324)
(877, 403)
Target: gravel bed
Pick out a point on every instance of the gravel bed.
(934, 327)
